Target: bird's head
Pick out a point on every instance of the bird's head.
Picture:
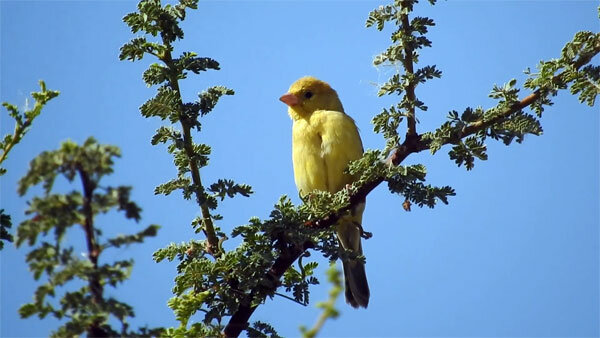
(308, 95)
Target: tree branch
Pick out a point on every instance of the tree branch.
(21, 127)
(20, 130)
(208, 227)
(417, 144)
(95, 286)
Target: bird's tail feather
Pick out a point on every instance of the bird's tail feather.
(349, 235)
(357, 287)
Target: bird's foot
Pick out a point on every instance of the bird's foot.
(364, 234)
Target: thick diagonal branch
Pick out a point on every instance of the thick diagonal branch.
(239, 320)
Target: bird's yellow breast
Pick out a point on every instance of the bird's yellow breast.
(323, 144)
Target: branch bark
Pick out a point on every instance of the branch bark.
(96, 289)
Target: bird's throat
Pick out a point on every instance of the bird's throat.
(297, 113)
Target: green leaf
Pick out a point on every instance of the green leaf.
(180, 182)
(156, 74)
(190, 61)
(225, 187)
(164, 134)
(208, 99)
(262, 329)
(163, 105)
(186, 305)
(139, 237)
(465, 152)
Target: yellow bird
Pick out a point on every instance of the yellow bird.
(324, 141)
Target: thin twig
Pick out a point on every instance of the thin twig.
(20, 130)
(407, 61)
(289, 298)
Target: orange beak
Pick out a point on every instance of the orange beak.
(289, 99)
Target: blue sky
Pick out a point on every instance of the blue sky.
(515, 253)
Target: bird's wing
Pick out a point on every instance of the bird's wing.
(340, 144)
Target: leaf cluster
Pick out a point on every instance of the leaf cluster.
(407, 40)
(262, 330)
(392, 12)
(209, 277)
(298, 281)
(5, 224)
(407, 181)
(154, 19)
(217, 286)
(584, 80)
(508, 121)
(469, 130)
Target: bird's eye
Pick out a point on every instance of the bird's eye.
(308, 95)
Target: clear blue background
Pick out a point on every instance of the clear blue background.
(516, 253)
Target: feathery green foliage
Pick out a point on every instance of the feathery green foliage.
(468, 131)
(569, 69)
(508, 121)
(23, 122)
(217, 290)
(407, 40)
(5, 224)
(86, 308)
(154, 20)
(211, 280)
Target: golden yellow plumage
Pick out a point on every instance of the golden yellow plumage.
(324, 141)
